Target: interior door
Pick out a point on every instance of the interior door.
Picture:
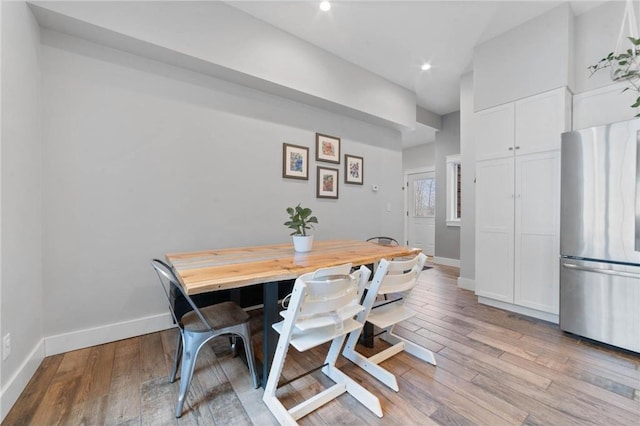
(421, 211)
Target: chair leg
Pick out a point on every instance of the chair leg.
(352, 387)
(248, 347)
(176, 358)
(410, 347)
(234, 348)
(370, 365)
(192, 344)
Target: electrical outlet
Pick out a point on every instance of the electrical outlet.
(6, 346)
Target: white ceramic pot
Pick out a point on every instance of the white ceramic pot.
(302, 243)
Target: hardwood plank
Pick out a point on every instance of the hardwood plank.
(611, 398)
(485, 375)
(504, 346)
(251, 399)
(90, 412)
(156, 403)
(125, 383)
(602, 357)
(454, 401)
(23, 410)
(495, 367)
(448, 338)
(539, 413)
(402, 407)
(152, 357)
(96, 378)
(477, 395)
(57, 405)
(222, 400)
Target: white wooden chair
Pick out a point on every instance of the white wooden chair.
(391, 277)
(322, 308)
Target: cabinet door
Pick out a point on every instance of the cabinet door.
(537, 226)
(493, 132)
(540, 120)
(494, 229)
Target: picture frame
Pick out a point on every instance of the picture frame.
(327, 148)
(295, 161)
(353, 169)
(327, 182)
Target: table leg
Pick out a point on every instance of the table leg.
(366, 337)
(270, 336)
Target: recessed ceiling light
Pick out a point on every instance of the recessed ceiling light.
(325, 6)
(425, 67)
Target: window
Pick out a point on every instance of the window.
(425, 197)
(454, 184)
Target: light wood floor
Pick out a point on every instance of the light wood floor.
(494, 368)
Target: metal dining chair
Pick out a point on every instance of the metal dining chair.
(198, 326)
(383, 241)
(391, 277)
(321, 309)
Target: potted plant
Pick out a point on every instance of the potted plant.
(300, 220)
(624, 66)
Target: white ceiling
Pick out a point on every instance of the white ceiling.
(394, 38)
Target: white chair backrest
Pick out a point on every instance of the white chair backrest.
(327, 290)
(399, 275)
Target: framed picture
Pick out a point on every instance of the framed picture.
(327, 148)
(327, 185)
(353, 169)
(295, 161)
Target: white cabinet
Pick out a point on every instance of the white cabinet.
(494, 229)
(493, 132)
(536, 231)
(533, 124)
(518, 202)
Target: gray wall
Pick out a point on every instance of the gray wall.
(218, 39)
(143, 158)
(468, 164)
(447, 143)
(21, 197)
(529, 59)
(419, 157)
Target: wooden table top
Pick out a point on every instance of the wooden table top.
(211, 270)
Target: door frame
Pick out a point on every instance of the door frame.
(408, 172)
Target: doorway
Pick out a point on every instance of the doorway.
(420, 210)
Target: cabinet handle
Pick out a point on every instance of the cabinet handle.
(510, 148)
(517, 147)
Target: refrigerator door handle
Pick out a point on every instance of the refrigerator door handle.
(601, 271)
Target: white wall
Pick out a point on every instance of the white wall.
(21, 195)
(597, 100)
(468, 164)
(447, 143)
(529, 59)
(419, 157)
(229, 43)
(143, 158)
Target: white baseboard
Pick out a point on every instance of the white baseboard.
(16, 384)
(446, 261)
(107, 333)
(467, 283)
(520, 309)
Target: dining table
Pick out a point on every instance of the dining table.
(234, 268)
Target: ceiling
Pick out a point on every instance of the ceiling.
(394, 38)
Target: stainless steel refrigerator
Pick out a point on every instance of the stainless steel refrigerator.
(600, 234)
